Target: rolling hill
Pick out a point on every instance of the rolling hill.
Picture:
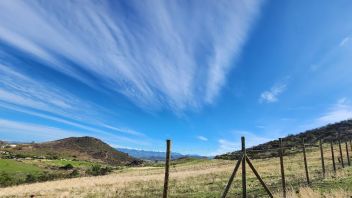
(79, 148)
(328, 133)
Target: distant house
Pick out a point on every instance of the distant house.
(8, 146)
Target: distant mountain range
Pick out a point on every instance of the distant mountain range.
(154, 155)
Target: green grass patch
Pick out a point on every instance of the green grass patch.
(76, 164)
(13, 167)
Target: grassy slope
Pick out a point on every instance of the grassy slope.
(79, 148)
(202, 178)
(14, 172)
(13, 167)
(60, 163)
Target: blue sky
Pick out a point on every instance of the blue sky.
(202, 73)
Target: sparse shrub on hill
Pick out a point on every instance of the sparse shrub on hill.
(30, 178)
(328, 133)
(7, 180)
(96, 170)
(67, 167)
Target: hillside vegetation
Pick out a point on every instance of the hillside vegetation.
(328, 133)
(189, 177)
(78, 148)
(66, 158)
(202, 178)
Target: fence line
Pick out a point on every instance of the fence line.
(243, 160)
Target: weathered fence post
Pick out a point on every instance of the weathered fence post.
(305, 161)
(283, 181)
(244, 186)
(244, 159)
(348, 155)
(167, 168)
(340, 149)
(227, 188)
(332, 156)
(322, 157)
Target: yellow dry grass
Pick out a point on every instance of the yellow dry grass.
(202, 179)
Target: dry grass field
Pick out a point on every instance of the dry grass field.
(201, 178)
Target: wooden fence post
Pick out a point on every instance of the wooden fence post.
(167, 168)
(244, 159)
(244, 187)
(227, 188)
(332, 156)
(283, 181)
(348, 155)
(305, 161)
(341, 156)
(322, 157)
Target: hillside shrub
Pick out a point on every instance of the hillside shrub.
(7, 180)
(96, 170)
(30, 178)
(67, 167)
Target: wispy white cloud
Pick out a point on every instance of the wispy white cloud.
(271, 95)
(19, 89)
(26, 131)
(84, 128)
(34, 131)
(22, 91)
(342, 110)
(22, 94)
(202, 138)
(345, 41)
(339, 111)
(260, 126)
(157, 58)
(124, 130)
(233, 143)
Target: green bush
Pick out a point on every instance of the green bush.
(7, 180)
(96, 170)
(31, 178)
(48, 176)
(20, 155)
(67, 167)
